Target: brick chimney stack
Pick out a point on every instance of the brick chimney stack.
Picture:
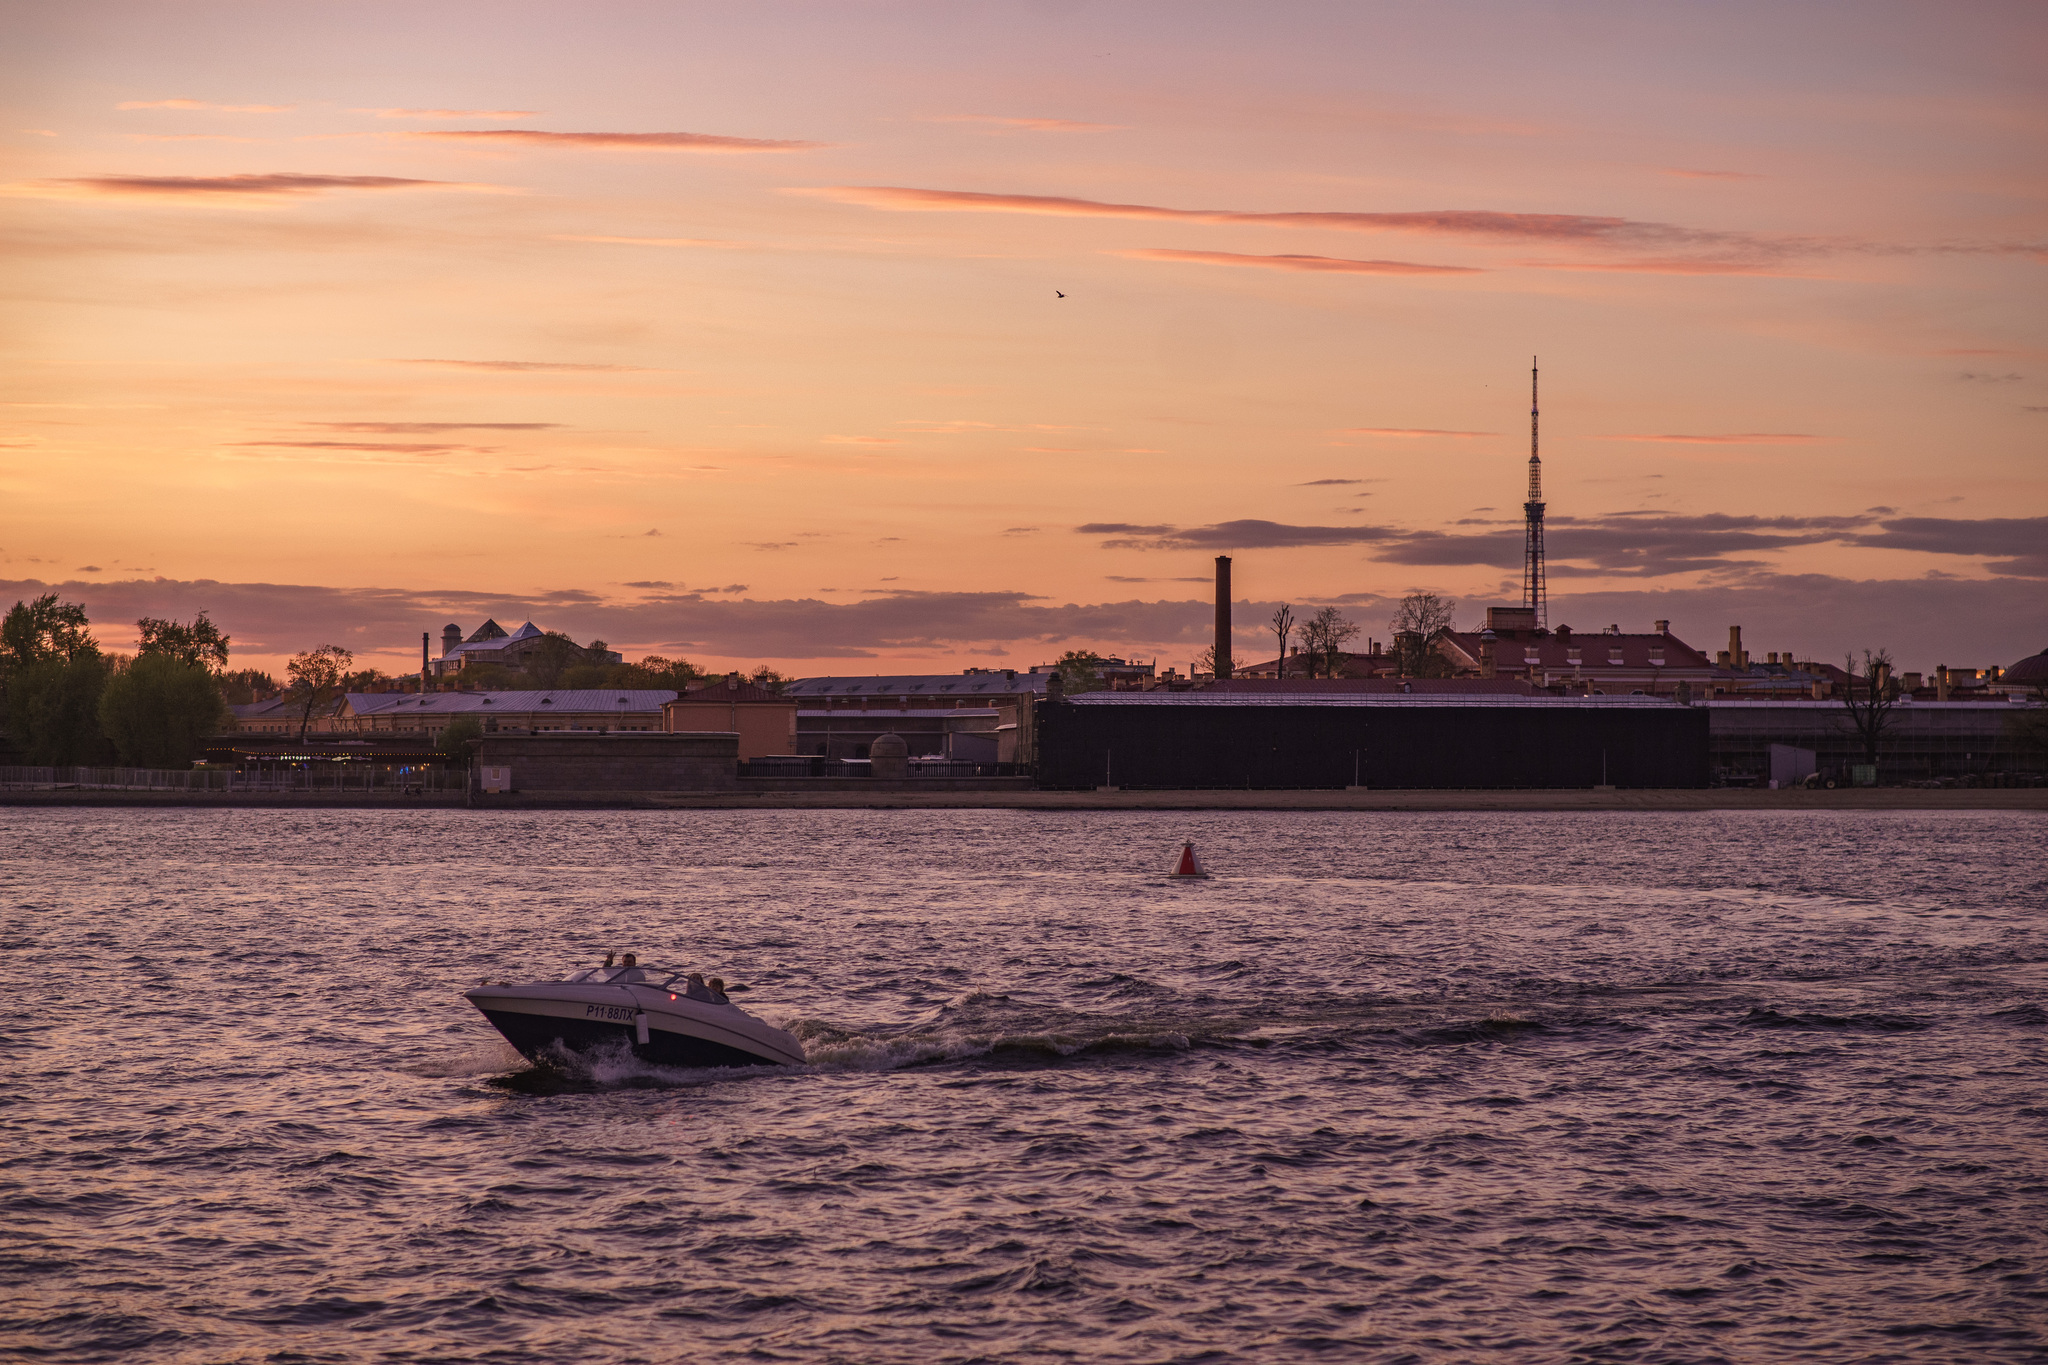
(1222, 668)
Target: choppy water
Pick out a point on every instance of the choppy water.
(1396, 1087)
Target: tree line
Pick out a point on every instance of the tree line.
(67, 702)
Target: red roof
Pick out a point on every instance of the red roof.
(1554, 651)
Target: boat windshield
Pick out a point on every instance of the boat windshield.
(624, 976)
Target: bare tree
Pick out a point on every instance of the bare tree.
(315, 676)
(1869, 697)
(1423, 619)
(1283, 627)
(1323, 637)
(1205, 662)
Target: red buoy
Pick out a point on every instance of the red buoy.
(1190, 865)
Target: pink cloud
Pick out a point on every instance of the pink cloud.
(1685, 174)
(450, 113)
(1330, 264)
(1034, 125)
(271, 185)
(206, 106)
(664, 142)
(1738, 438)
(1669, 267)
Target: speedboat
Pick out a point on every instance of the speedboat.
(670, 1018)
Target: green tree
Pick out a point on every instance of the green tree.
(53, 710)
(767, 678)
(654, 671)
(200, 644)
(551, 656)
(246, 685)
(159, 711)
(460, 737)
(316, 676)
(1080, 671)
(45, 629)
(51, 675)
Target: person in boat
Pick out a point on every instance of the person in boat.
(695, 989)
(718, 990)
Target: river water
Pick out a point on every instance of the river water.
(1400, 1087)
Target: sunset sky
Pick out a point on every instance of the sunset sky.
(732, 332)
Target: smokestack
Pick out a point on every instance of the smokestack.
(1222, 617)
(424, 666)
(1736, 657)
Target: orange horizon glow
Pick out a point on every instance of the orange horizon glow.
(824, 337)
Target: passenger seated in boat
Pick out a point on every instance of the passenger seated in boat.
(694, 987)
(718, 990)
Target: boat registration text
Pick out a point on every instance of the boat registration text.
(623, 1013)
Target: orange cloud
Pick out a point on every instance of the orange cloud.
(1331, 264)
(520, 366)
(665, 142)
(207, 106)
(380, 447)
(648, 241)
(1685, 174)
(272, 185)
(1413, 431)
(1739, 438)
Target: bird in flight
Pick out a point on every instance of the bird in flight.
(1058, 292)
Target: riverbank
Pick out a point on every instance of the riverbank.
(1734, 799)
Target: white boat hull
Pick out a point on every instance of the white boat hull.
(668, 1029)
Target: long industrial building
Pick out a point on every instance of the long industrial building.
(1310, 739)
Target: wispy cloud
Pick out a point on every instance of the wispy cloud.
(1407, 432)
(700, 242)
(270, 185)
(1684, 173)
(1981, 377)
(207, 106)
(1247, 534)
(1325, 483)
(380, 447)
(1733, 438)
(662, 142)
(450, 113)
(1318, 264)
(859, 441)
(1670, 266)
(522, 366)
(1033, 125)
(430, 428)
(1471, 223)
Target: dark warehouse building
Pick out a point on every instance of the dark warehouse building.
(1339, 739)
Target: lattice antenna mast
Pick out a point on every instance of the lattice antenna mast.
(1535, 590)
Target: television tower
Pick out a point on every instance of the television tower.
(1535, 592)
